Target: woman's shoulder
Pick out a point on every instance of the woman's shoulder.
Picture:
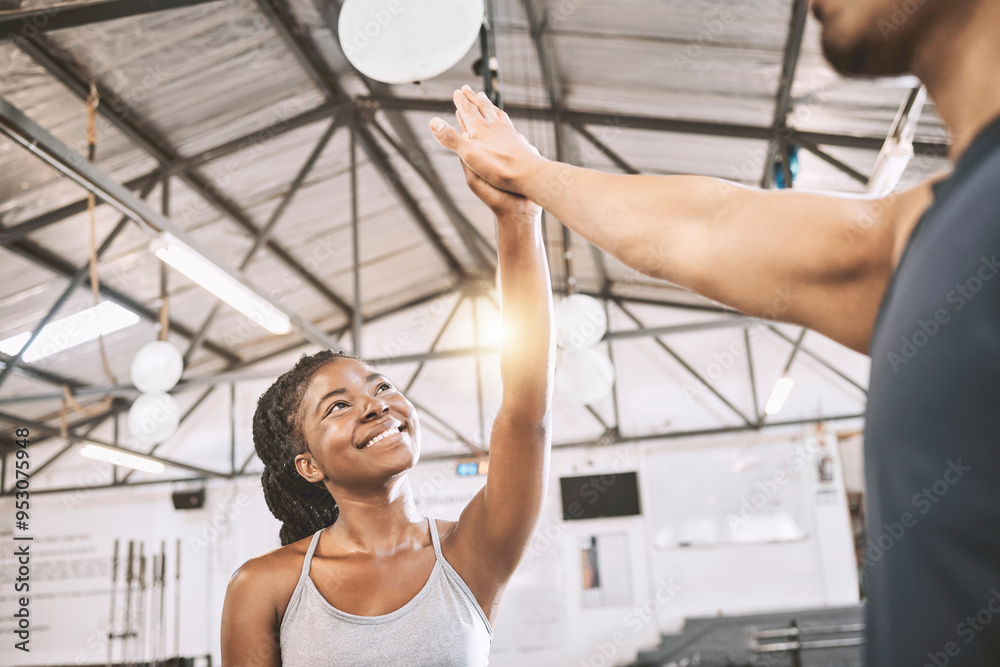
(273, 574)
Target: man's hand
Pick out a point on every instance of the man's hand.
(488, 144)
(504, 204)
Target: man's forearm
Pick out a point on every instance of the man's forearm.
(650, 223)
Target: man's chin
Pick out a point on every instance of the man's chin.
(864, 60)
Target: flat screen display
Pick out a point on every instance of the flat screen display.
(595, 496)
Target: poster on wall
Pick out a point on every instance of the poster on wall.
(606, 577)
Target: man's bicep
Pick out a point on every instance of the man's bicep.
(803, 258)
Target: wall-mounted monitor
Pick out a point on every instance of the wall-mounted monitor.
(595, 496)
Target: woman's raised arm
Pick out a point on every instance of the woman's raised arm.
(498, 522)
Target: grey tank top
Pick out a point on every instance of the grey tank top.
(442, 625)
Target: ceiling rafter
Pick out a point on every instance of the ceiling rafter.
(74, 282)
(73, 77)
(29, 21)
(662, 124)
(783, 99)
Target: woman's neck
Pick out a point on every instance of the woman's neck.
(379, 523)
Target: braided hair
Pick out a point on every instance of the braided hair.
(302, 507)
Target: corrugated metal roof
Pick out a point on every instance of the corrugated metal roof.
(198, 78)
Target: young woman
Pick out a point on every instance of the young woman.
(363, 578)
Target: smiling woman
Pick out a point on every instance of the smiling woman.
(362, 578)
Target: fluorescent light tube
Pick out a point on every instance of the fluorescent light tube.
(782, 388)
(118, 458)
(207, 274)
(102, 319)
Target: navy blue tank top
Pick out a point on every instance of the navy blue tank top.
(931, 569)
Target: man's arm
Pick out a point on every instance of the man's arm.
(814, 260)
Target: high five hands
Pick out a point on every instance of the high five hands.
(494, 155)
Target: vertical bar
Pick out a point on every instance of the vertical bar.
(479, 370)
(177, 603)
(488, 52)
(611, 356)
(753, 377)
(356, 247)
(114, 468)
(232, 428)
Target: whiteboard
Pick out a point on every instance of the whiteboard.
(737, 494)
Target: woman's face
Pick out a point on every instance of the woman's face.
(360, 431)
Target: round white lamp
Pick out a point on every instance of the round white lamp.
(402, 41)
(157, 367)
(153, 418)
(580, 322)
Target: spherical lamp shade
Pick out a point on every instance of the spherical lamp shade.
(157, 367)
(580, 322)
(402, 41)
(583, 376)
(153, 418)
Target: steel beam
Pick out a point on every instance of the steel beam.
(395, 183)
(74, 282)
(28, 22)
(661, 124)
(619, 161)
(762, 416)
(546, 59)
(434, 343)
(617, 439)
(708, 385)
(468, 231)
(819, 359)
(26, 132)
(262, 235)
(69, 445)
(158, 150)
(181, 164)
(783, 99)
(61, 267)
(322, 112)
(475, 449)
(45, 428)
(750, 369)
(832, 161)
(421, 357)
(355, 245)
(22, 229)
(307, 55)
